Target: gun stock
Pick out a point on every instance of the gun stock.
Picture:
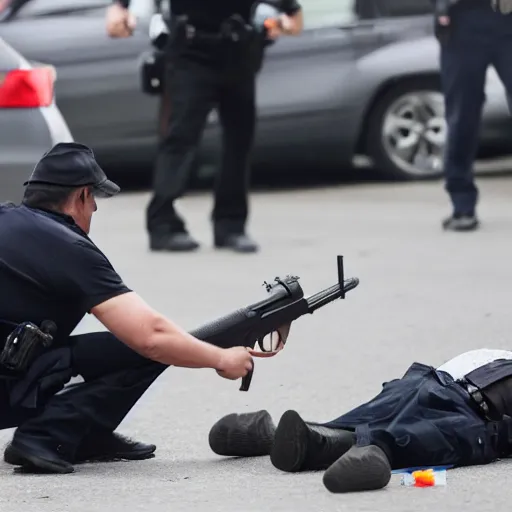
(284, 304)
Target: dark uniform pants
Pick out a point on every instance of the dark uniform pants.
(196, 82)
(479, 37)
(115, 377)
(426, 419)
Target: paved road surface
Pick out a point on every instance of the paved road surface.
(424, 295)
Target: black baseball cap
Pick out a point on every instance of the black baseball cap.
(69, 164)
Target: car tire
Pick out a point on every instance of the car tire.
(410, 115)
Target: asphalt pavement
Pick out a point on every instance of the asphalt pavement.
(424, 295)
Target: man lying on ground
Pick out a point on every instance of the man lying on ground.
(457, 414)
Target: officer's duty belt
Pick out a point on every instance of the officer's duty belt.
(226, 32)
(477, 398)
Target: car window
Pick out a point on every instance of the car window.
(319, 13)
(145, 8)
(38, 8)
(399, 8)
(316, 12)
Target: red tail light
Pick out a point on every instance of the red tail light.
(27, 88)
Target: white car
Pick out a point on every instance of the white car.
(30, 122)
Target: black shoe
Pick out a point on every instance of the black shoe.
(34, 456)
(103, 448)
(243, 435)
(301, 446)
(236, 242)
(174, 242)
(461, 223)
(112, 447)
(365, 468)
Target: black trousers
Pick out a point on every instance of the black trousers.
(115, 377)
(479, 37)
(427, 419)
(197, 81)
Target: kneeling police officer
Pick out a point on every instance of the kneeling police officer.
(52, 274)
(212, 58)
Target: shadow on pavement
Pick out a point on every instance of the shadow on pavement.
(271, 179)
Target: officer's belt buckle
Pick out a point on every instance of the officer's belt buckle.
(478, 398)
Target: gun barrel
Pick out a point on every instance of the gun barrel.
(331, 294)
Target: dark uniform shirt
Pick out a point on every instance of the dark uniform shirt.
(50, 270)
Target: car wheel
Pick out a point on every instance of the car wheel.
(407, 131)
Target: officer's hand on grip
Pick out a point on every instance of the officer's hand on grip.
(120, 21)
(235, 363)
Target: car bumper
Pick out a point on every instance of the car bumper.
(26, 135)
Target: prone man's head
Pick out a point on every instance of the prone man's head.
(67, 180)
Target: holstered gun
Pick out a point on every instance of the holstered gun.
(24, 344)
(152, 72)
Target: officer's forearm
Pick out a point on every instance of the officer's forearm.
(170, 345)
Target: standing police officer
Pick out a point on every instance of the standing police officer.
(52, 274)
(473, 35)
(213, 57)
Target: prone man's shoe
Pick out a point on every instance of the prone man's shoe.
(237, 243)
(243, 435)
(461, 223)
(107, 447)
(34, 456)
(173, 242)
(301, 446)
(362, 468)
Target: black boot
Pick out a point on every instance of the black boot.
(243, 435)
(236, 242)
(362, 468)
(461, 222)
(301, 446)
(173, 242)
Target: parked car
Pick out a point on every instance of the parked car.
(30, 122)
(363, 78)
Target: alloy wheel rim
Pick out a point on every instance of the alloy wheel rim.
(414, 133)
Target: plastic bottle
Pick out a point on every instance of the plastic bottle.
(424, 478)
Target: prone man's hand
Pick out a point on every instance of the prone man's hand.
(120, 21)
